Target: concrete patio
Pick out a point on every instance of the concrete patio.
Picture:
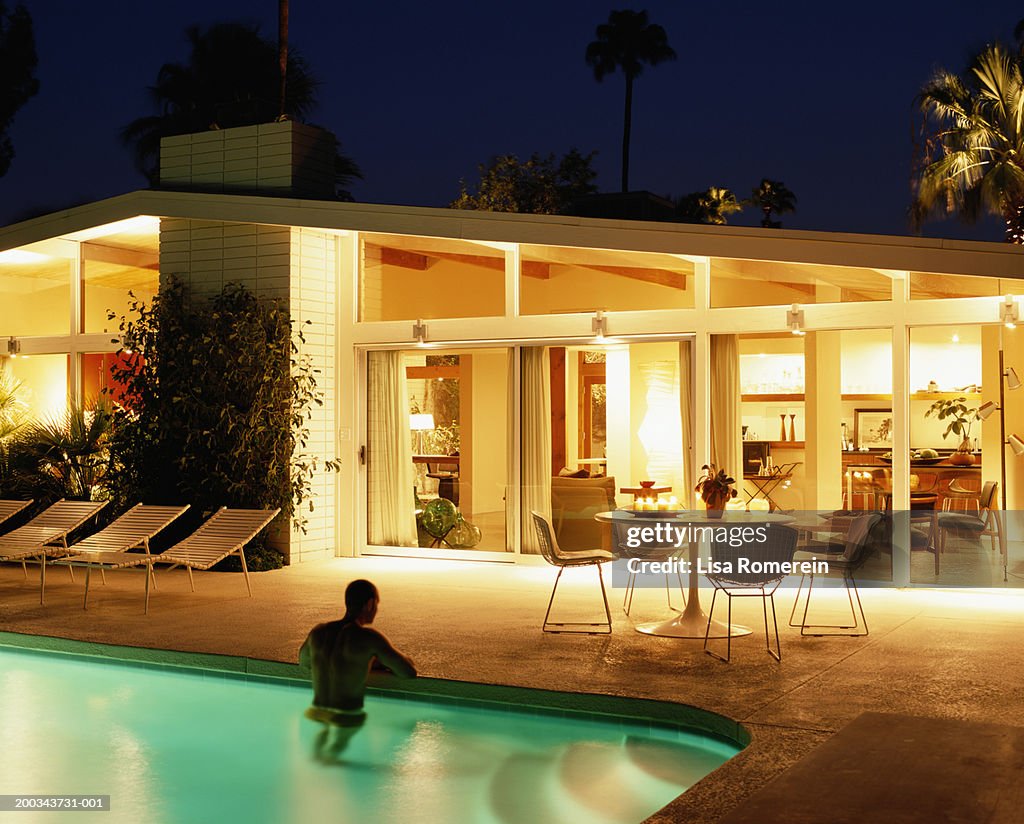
(942, 654)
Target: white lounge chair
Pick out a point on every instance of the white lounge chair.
(46, 535)
(225, 533)
(108, 548)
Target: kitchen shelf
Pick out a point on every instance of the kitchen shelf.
(915, 396)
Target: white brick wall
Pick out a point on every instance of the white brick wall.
(300, 266)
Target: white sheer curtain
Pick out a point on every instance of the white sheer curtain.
(535, 476)
(391, 513)
(726, 432)
(686, 417)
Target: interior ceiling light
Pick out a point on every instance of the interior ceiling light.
(599, 325)
(956, 338)
(21, 256)
(1009, 312)
(795, 320)
(141, 225)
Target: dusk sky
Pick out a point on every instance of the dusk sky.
(820, 97)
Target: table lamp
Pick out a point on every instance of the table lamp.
(420, 422)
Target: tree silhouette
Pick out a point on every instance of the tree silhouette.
(627, 42)
(17, 73)
(772, 197)
(539, 185)
(713, 205)
(232, 78)
(974, 143)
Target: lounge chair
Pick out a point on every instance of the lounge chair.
(108, 548)
(46, 535)
(225, 533)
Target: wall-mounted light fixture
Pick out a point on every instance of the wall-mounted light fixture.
(599, 325)
(795, 320)
(13, 346)
(986, 410)
(419, 332)
(1009, 312)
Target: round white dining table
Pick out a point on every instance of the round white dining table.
(692, 622)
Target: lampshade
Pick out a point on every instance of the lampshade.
(987, 409)
(1016, 444)
(1012, 381)
(421, 421)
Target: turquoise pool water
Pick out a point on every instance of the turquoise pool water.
(175, 746)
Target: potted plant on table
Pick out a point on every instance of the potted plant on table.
(716, 489)
(960, 418)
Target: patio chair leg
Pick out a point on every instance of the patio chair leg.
(604, 597)
(728, 635)
(245, 572)
(71, 569)
(149, 574)
(152, 574)
(191, 582)
(777, 655)
(796, 601)
(551, 600)
(605, 627)
(103, 576)
(24, 568)
(627, 599)
(85, 600)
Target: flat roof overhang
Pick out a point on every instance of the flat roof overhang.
(882, 252)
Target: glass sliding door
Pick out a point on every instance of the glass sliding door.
(437, 456)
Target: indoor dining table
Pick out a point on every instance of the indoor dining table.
(692, 622)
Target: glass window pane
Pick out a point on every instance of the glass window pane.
(558, 279)
(926, 286)
(113, 267)
(772, 283)
(44, 383)
(405, 278)
(35, 291)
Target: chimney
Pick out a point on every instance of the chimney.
(283, 159)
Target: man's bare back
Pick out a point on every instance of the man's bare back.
(340, 656)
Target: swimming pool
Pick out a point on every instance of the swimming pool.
(169, 745)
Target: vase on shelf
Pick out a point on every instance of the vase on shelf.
(792, 427)
(963, 455)
(782, 426)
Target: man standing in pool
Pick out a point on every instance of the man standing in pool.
(339, 655)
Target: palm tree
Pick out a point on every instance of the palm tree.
(232, 78)
(711, 206)
(974, 143)
(772, 197)
(627, 41)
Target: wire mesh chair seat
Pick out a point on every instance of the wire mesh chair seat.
(846, 558)
(766, 570)
(561, 558)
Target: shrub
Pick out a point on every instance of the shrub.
(214, 404)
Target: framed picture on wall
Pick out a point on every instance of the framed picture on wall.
(872, 428)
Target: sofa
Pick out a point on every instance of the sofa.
(574, 503)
